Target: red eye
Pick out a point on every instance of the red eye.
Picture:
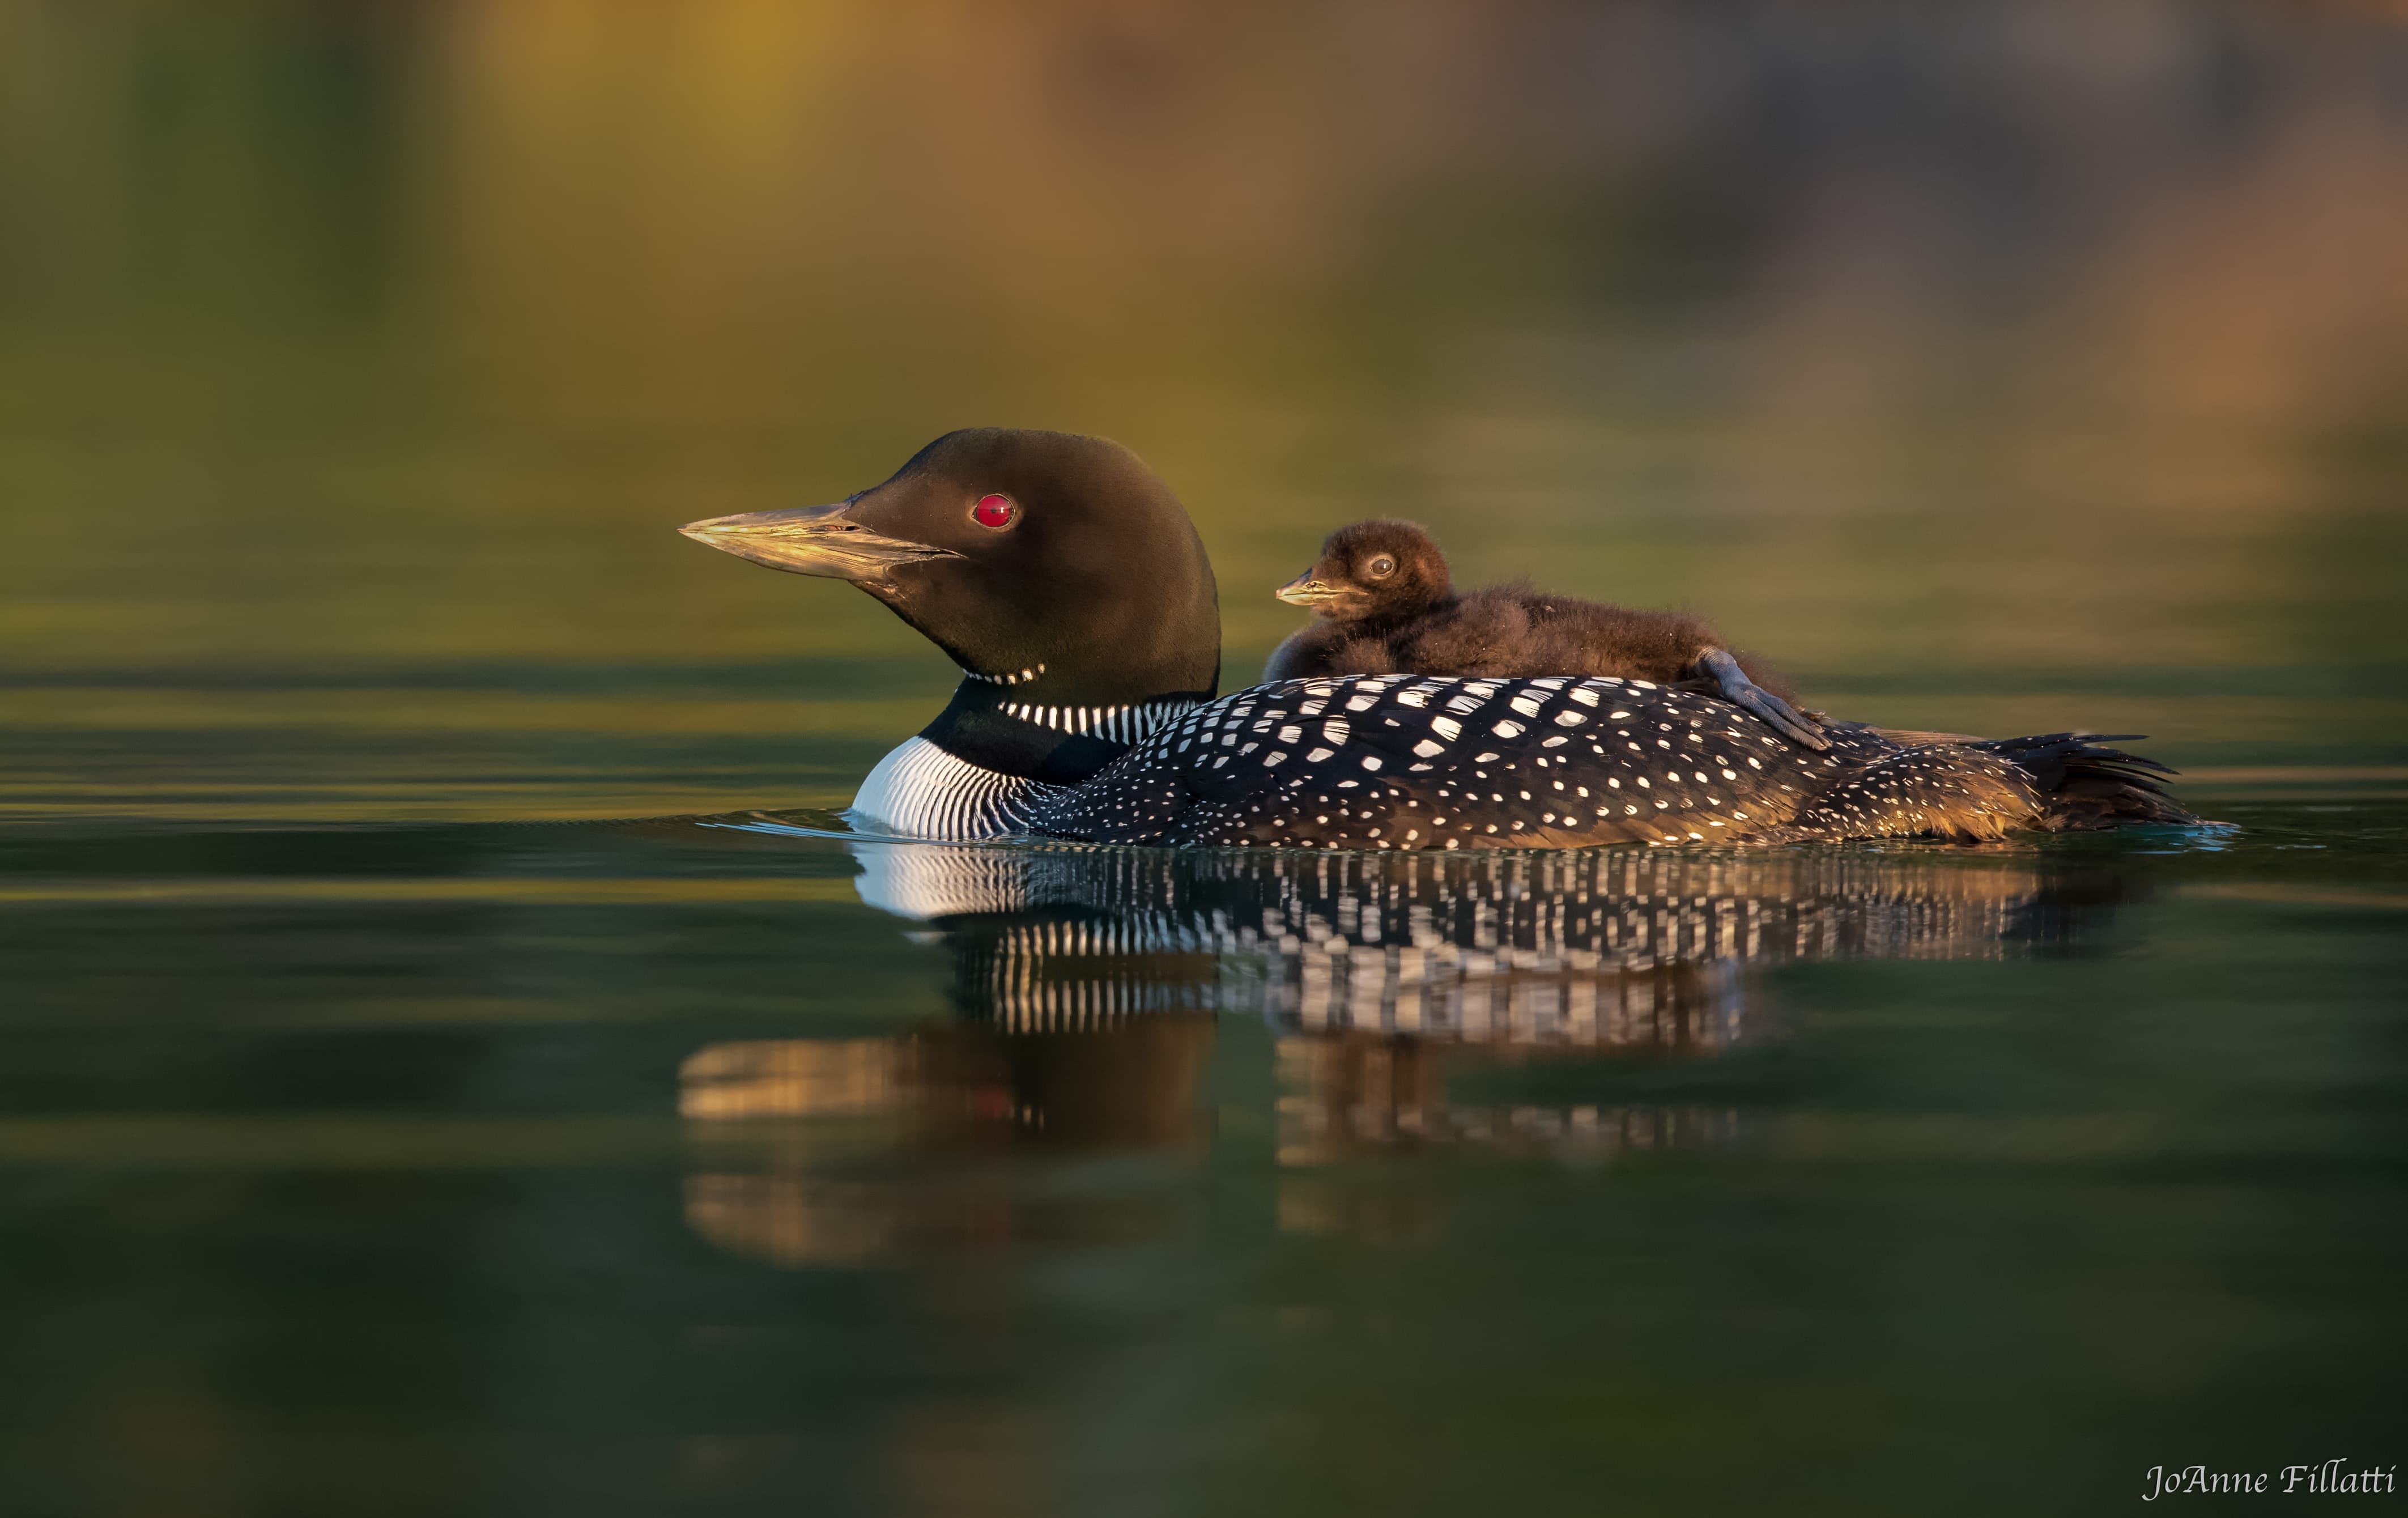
(993, 511)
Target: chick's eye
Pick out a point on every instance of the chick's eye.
(1382, 567)
(993, 511)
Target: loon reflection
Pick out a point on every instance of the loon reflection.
(1612, 947)
(1090, 986)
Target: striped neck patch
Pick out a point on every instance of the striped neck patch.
(1018, 677)
(1118, 724)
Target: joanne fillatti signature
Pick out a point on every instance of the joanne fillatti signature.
(2332, 1478)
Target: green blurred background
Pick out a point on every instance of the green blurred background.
(1990, 367)
(1996, 367)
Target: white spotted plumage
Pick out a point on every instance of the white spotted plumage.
(1378, 763)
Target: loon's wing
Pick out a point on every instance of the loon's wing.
(1408, 762)
(1416, 763)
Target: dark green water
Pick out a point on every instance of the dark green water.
(613, 1168)
(388, 1126)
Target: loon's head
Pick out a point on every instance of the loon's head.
(1371, 572)
(1057, 571)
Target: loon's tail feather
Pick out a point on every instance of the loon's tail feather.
(2087, 785)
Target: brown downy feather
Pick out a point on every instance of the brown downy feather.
(1412, 621)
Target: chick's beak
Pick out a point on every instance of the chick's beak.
(1306, 589)
(812, 540)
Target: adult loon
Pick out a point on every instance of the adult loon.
(1386, 605)
(1066, 582)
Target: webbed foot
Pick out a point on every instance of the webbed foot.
(1718, 666)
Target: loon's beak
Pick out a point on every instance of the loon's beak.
(812, 540)
(1306, 590)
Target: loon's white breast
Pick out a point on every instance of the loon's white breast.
(921, 789)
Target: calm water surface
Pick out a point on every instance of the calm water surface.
(449, 1064)
(712, 1163)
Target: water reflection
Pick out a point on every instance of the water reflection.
(1621, 949)
(835, 1112)
(1353, 1094)
(1090, 986)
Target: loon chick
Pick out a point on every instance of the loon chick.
(1068, 584)
(1386, 605)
